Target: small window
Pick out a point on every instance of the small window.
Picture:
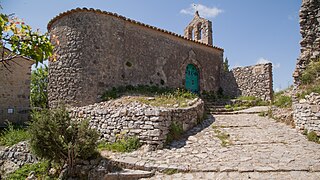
(10, 110)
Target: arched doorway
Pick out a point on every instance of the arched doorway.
(192, 78)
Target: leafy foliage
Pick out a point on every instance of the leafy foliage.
(12, 135)
(40, 169)
(55, 136)
(39, 84)
(23, 40)
(125, 144)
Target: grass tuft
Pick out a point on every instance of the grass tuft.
(40, 170)
(13, 135)
(122, 145)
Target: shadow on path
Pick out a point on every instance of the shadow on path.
(191, 132)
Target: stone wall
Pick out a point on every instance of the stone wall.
(100, 50)
(15, 90)
(310, 33)
(306, 113)
(12, 158)
(249, 81)
(126, 116)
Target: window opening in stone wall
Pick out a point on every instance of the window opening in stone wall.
(10, 110)
(199, 31)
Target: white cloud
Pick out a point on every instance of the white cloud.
(204, 11)
(265, 61)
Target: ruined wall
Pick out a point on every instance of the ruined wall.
(249, 81)
(306, 113)
(15, 90)
(150, 124)
(100, 50)
(310, 33)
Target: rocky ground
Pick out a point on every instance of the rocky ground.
(255, 148)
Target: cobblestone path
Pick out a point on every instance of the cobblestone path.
(254, 148)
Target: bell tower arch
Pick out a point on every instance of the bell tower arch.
(199, 29)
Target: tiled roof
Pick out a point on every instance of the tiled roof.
(124, 18)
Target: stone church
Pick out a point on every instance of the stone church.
(98, 50)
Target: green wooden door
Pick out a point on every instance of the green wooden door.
(192, 78)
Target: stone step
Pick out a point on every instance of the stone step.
(129, 174)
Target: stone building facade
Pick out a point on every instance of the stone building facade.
(15, 89)
(99, 50)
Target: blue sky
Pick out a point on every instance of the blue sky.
(250, 31)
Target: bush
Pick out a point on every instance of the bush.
(126, 144)
(54, 136)
(40, 170)
(12, 135)
(38, 86)
(283, 101)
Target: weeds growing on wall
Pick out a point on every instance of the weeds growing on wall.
(175, 132)
(13, 134)
(244, 102)
(310, 79)
(125, 144)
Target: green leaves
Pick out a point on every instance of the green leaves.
(39, 84)
(23, 40)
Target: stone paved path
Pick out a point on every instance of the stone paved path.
(257, 148)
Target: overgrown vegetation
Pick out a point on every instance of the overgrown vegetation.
(146, 90)
(175, 132)
(310, 81)
(40, 170)
(54, 136)
(282, 101)
(164, 97)
(39, 84)
(13, 134)
(177, 98)
(124, 144)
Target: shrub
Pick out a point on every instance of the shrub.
(126, 144)
(12, 135)
(175, 132)
(40, 170)
(54, 136)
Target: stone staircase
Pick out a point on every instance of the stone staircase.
(213, 106)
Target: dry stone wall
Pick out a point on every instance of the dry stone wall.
(310, 32)
(12, 158)
(149, 124)
(306, 113)
(249, 81)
